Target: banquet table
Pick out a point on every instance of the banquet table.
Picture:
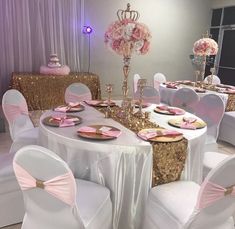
(168, 93)
(124, 165)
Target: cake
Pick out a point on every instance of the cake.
(54, 61)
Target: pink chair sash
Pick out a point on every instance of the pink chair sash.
(73, 97)
(211, 192)
(60, 187)
(13, 111)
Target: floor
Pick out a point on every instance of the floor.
(5, 143)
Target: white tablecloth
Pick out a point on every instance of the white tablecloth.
(167, 94)
(124, 165)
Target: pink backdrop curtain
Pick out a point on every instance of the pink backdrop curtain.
(30, 30)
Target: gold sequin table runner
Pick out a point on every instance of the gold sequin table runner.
(47, 91)
(168, 158)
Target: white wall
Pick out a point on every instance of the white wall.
(222, 3)
(175, 26)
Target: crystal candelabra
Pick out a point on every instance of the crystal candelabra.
(108, 89)
(141, 85)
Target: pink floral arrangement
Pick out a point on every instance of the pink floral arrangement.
(127, 36)
(205, 47)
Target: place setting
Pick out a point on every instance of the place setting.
(167, 110)
(100, 103)
(191, 123)
(70, 108)
(99, 132)
(160, 135)
(61, 120)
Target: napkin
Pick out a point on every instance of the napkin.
(106, 131)
(172, 110)
(63, 120)
(151, 133)
(67, 108)
(93, 102)
(188, 123)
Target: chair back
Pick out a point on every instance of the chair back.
(77, 92)
(211, 110)
(214, 80)
(15, 110)
(135, 82)
(185, 98)
(216, 199)
(48, 187)
(158, 78)
(150, 95)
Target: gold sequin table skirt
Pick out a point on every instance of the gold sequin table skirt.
(44, 92)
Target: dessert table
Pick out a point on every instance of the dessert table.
(124, 165)
(43, 92)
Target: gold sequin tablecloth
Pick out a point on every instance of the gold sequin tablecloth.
(47, 91)
(169, 158)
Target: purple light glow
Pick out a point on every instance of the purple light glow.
(87, 29)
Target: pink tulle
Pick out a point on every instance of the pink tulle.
(13, 111)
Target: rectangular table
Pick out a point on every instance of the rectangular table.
(44, 92)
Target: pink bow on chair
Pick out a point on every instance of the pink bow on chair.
(211, 193)
(13, 111)
(61, 187)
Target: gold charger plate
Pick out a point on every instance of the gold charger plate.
(178, 121)
(162, 138)
(96, 136)
(73, 109)
(167, 112)
(49, 121)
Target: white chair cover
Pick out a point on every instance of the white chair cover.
(211, 109)
(11, 198)
(77, 92)
(53, 198)
(21, 127)
(158, 78)
(215, 79)
(227, 127)
(184, 204)
(150, 95)
(185, 98)
(135, 82)
(211, 160)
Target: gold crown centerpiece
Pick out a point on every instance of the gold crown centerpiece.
(125, 37)
(204, 47)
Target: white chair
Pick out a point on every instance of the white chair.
(150, 95)
(211, 159)
(21, 127)
(77, 92)
(53, 198)
(211, 110)
(158, 78)
(11, 198)
(227, 127)
(135, 83)
(185, 98)
(215, 79)
(185, 204)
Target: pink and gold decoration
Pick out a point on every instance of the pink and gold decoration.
(204, 47)
(125, 37)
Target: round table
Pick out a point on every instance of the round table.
(124, 165)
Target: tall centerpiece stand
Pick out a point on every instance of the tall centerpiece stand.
(126, 37)
(203, 49)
